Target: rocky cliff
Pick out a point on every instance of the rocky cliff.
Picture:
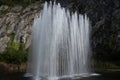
(105, 21)
(15, 24)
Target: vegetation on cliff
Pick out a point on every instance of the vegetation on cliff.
(17, 2)
(15, 53)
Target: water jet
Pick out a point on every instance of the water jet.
(60, 44)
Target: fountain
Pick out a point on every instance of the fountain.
(60, 44)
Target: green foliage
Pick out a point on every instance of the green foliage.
(16, 2)
(102, 66)
(13, 56)
(19, 2)
(15, 53)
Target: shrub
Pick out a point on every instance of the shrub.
(16, 2)
(15, 53)
(11, 55)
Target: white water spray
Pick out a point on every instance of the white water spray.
(60, 44)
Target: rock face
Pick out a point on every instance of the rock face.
(105, 21)
(17, 21)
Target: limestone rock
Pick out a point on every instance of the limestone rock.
(17, 8)
(3, 7)
(16, 23)
(3, 43)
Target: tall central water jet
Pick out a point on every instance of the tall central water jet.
(60, 44)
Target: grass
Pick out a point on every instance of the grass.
(106, 66)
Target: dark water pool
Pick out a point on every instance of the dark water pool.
(113, 75)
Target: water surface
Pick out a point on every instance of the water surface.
(113, 75)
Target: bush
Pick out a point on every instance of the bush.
(11, 55)
(15, 53)
(16, 2)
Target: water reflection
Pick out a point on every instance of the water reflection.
(104, 76)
